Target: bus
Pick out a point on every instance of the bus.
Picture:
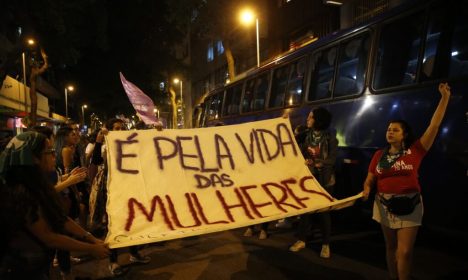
(388, 68)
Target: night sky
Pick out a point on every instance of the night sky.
(135, 40)
(88, 42)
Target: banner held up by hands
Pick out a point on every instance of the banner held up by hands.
(176, 183)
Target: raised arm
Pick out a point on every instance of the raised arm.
(427, 139)
(97, 157)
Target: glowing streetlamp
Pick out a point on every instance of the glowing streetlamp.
(247, 16)
(30, 43)
(84, 106)
(156, 112)
(68, 88)
(177, 81)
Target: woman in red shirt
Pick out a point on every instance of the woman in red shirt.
(398, 205)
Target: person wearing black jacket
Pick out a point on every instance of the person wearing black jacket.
(319, 149)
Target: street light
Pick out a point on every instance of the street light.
(156, 112)
(176, 81)
(246, 17)
(84, 106)
(30, 42)
(68, 88)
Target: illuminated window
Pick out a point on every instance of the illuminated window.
(219, 47)
(210, 52)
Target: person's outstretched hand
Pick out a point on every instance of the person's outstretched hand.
(444, 89)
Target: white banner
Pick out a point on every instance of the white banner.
(176, 183)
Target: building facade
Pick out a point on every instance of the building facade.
(284, 25)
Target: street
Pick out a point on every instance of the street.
(229, 255)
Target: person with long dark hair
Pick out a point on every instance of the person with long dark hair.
(319, 149)
(65, 143)
(32, 218)
(398, 204)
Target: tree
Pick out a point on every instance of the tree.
(58, 26)
(89, 42)
(36, 71)
(216, 20)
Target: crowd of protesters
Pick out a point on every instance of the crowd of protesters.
(53, 189)
(46, 180)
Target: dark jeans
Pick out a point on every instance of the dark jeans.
(306, 222)
(114, 253)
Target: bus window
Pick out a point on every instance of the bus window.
(295, 87)
(196, 116)
(206, 111)
(214, 106)
(261, 90)
(255, 93)
(248, 96)
(278, 86)
(232, 103)
(397, 57)
(352, 66)
(446, 52)
(322, 74)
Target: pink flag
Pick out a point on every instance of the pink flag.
(140, 101)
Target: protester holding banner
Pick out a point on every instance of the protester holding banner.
(319, 149)
(398, 205)
(31, 215)
(98, 198)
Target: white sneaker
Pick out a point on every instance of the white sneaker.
(283, 224)
(116, 270)
(263, 235)
(140, 259)
(75, 260)
(299, 245)
(325, 253)
(248, 232)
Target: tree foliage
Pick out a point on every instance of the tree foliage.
(89, 42)
(218, 20)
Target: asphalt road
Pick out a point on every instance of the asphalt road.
(357, 252)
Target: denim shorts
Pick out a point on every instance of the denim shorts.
(384, 217)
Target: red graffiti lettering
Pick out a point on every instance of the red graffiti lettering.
(281, 201)
(227, 208)
(252, 204)
(202, 212)
(149, 215)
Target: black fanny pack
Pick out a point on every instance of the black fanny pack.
(401, 205)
